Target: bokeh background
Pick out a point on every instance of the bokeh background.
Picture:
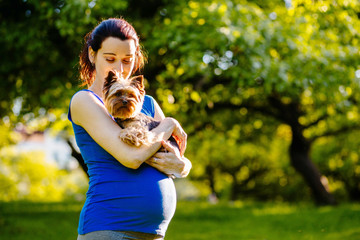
(268, 92)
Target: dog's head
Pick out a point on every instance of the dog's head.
(123, 98)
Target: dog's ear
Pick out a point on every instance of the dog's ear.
(138, 82)
(109, 80)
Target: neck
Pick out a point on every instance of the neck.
(97, 87)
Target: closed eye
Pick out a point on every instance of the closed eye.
(128, 60)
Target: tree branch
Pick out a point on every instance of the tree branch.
(265, 110)
(316, 121)
(77, 156)
(341, 130)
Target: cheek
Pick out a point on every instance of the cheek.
(128, 69)
(102, 69)
(126, 75)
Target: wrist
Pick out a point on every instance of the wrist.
(184, 168)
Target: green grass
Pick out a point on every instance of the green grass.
(197, 221)
(35, 221)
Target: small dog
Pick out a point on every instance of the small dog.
(124, 99)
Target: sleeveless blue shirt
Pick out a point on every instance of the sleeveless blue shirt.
(120, 198)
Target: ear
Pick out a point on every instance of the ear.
(109, 80)
(91, 55)
(138, 82)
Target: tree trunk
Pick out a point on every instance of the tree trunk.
(78, 157)
(210, 171)
(234, 188)
(213, 197)
(352, 189)
(300, 160)
(354, 194)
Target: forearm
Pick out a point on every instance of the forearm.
(88, 112)
(138, 155)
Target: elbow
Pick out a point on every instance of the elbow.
(133, 164)
(132, 161)
(134, 157)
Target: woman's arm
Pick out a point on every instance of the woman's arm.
(88, 112)
(172, 162)
(179, 134)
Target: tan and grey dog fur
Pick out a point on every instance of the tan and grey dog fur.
(124, 100)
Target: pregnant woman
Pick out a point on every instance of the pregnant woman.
(130, 195)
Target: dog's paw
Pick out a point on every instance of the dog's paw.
(135, 138)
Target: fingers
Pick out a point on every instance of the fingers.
(182, 146)
(179, 134)
(181, 138)
(154, 160)
(168, 147)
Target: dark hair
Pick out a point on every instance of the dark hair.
(112, 27)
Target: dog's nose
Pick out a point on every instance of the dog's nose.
(125, 102)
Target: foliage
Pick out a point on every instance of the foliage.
(242, 169)
(27, 176)
(296, 65)
(251, 54)
(41, 62)
(342, 166)
(7, 135)
(239, 75)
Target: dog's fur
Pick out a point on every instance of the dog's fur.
(124, 99)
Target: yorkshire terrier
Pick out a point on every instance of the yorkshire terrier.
(124, 100)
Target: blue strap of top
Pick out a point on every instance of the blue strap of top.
(148, 107)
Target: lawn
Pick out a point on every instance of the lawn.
(196, 221)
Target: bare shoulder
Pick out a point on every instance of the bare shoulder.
(84, 105)
(83, 97)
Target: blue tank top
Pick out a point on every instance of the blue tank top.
(120, 198)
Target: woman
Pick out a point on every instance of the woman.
(127, 198)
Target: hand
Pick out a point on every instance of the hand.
(170, 162)
(179, 135)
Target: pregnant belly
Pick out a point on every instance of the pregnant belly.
(141, 197)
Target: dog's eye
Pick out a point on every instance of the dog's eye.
(118, 94)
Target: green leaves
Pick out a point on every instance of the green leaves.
(214, 65)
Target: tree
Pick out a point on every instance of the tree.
(28, 176)
(209, 61)
(42, 40)
(296, 65)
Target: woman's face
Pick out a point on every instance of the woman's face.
(114, 54)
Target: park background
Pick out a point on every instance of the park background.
(268, 92)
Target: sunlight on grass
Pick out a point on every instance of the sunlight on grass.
(353, 234)
(275, 210)
(253, 220)
(197, 221)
